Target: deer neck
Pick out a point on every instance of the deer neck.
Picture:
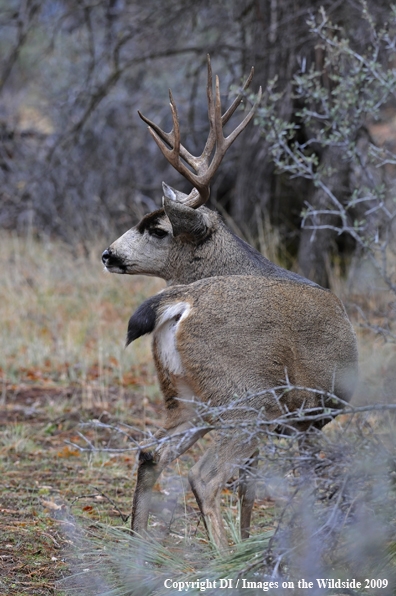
(220, 253)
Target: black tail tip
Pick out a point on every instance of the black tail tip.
(143, 319)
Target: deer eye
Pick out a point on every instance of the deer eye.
(158, 233)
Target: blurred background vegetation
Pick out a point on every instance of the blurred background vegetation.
(76, 161)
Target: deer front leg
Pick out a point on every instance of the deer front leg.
(172, 442)
(247, 492)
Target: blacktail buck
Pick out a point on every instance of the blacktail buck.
(223, 337)
(239, 326)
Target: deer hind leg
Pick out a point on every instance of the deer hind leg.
(247, 492)
(171, 443)
(209, 476)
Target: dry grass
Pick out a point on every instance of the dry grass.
(64, 319)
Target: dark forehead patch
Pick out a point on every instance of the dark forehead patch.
(150, 220)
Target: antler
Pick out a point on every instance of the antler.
(204, 169)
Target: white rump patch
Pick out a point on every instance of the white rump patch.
(165, 334)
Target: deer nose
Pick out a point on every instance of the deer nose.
(106, 256)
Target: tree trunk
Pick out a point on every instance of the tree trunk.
(271, 57)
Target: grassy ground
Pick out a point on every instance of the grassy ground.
(62, 362)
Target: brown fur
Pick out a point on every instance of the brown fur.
(239, 336)
(206, 248)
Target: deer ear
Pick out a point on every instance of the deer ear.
(184, 219)
(172, 193)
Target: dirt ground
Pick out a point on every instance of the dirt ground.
(51, 492)
(48, 486)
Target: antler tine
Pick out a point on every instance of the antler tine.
(223, 143)
(173, 155)
(218, 122)
(231, 137)
(165, 136)
(211, 140)
(216, 136)
(174, 160)
(201, 164)
(196, 162)
(169, 137)
(210, 143)
(227, 115)
(175, 128)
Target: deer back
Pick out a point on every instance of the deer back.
(232, 336)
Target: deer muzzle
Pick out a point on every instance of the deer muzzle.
(112, 262)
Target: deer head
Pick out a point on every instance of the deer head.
(165, 243)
